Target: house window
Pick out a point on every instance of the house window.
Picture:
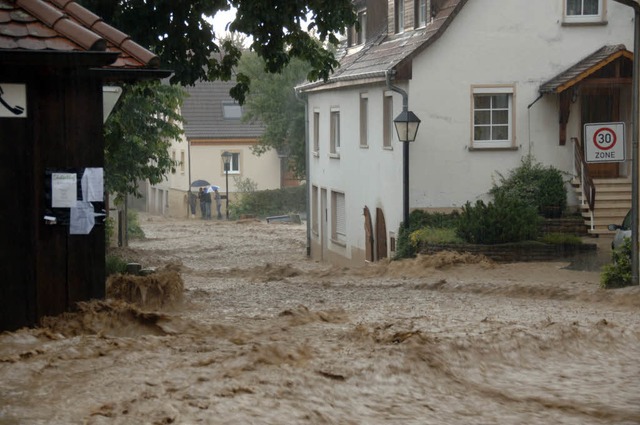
(182, 162)
(387, 120)
(358, 36)
(335, 131)
(173, 158)
(364, 120)
(398, 18)
(493, 117)
(316, 131)
(583, 11)
(234, 164)
(231, 111)
(421, 7)
(314, 209)
(338, 217)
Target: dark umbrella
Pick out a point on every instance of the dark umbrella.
(200, 183)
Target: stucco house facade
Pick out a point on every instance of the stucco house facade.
(492, 82)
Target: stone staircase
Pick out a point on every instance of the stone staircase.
(612, 202)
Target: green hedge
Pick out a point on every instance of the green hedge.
(265, 203)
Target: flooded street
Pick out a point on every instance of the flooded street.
(264, 335)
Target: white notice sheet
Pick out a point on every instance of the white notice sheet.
(81, 219)
(93, 185)
(64, 187)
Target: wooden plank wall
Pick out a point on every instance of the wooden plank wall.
(46, 270)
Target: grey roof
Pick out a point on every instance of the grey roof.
(584, 68)
(384, 52)
(203, 114)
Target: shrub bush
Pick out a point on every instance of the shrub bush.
(418, 220)
(618, 273)
(114, 263)
(506, 219)
(134, 231)
(541, 187)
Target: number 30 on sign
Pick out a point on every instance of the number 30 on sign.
(604, 142)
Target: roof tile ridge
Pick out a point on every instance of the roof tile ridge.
(60, 22)
(99, 26)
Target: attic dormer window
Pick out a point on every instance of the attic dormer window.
(583, 11)
(421, 7)
(398, 17)
(357, 37)
(231, 111)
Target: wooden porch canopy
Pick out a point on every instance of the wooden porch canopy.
(607, 67)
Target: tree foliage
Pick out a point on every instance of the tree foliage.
(138, 135)
(272, 101)
(180, 34)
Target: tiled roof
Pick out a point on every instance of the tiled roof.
(385, 52)
(584, 68)
(204, 115)
(65, 26)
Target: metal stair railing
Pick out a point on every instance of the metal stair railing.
(587, 186)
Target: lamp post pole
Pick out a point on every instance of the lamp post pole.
(406, 125)
(226, 158)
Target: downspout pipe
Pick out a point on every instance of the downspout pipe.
(634, 142)
(405, 151)
(529, 117)
(307, 164)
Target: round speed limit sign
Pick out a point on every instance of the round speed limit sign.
(604, 142)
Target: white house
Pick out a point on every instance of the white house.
(492, 81)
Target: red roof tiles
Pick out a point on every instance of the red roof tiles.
(64, 25)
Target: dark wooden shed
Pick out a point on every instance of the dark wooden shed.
(55, 57)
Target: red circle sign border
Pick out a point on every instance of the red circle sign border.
(615, 138)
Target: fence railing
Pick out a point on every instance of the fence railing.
(586, 182)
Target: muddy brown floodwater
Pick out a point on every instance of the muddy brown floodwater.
(262, 335)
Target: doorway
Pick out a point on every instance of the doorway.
(381, 235)
(601, 105)
(368, 236)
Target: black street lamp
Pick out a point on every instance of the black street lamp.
(226, 158)
(406, 124)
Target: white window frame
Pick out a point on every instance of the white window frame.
(490, 91)
(357, 38)
(421, 12)
(582, 18)
(338, 218)
(388, 128)
(316, 131)
(334, 130)
(364, 120)
(234, 163)
(182, 164)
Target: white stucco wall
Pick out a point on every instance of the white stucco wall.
(491, 42)
(494, 42)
